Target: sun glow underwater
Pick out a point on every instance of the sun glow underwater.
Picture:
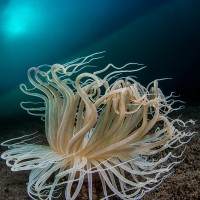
(100, 124)
(20, 20)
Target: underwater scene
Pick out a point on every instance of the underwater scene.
(99, 99)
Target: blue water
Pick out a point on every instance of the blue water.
(164, 35)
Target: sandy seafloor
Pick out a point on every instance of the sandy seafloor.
(184, 183)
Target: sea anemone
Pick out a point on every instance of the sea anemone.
(101, 124)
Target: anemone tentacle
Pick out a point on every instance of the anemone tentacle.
(100, 124)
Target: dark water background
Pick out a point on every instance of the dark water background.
(164, 35)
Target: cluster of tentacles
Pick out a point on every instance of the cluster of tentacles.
(101, 124)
